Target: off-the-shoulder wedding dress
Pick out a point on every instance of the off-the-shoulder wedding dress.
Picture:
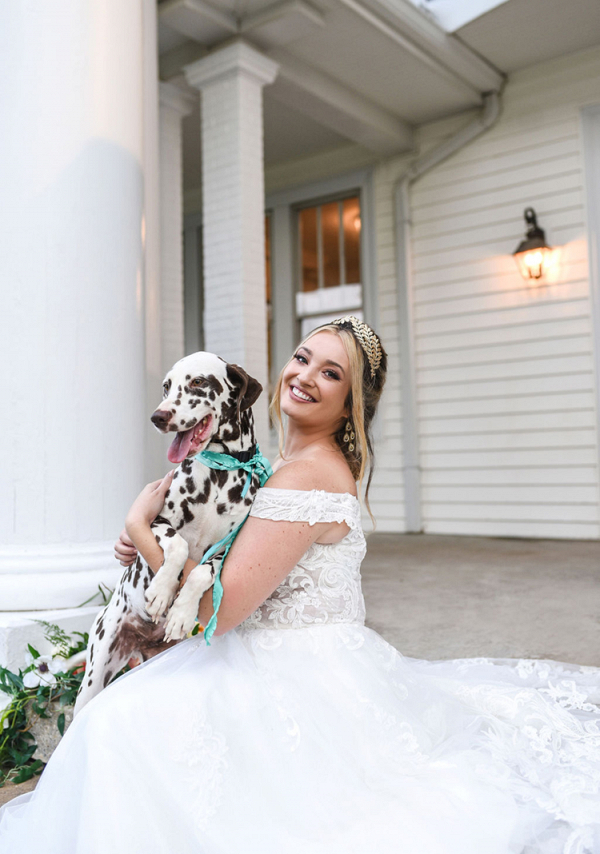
(304, 732)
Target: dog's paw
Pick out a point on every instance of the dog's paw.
(159, 596)
(180, 620)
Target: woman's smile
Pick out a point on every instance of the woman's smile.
(301, 396)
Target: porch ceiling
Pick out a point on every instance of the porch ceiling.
(288, 135)
(370, 62)
(367, 71)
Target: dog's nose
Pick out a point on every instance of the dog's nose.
(161, 418)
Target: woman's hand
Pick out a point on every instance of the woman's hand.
(149, 503)
(125, 551)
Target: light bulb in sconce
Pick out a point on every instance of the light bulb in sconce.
(533, 255)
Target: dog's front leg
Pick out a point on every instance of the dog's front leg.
(163, 587)
(183, 613)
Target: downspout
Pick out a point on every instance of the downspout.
(408, 392)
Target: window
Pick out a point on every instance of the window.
(329, 255)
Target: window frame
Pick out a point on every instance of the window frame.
(283, 207)
(338, 198)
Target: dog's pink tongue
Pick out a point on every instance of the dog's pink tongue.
(180, 447)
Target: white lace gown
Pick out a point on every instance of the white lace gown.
(304, 732)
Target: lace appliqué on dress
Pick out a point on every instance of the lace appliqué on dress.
(547, 733)
(203, 752)
(324, 587)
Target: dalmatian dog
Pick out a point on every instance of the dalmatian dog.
(206, 405)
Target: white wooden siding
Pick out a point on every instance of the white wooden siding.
(505, 383)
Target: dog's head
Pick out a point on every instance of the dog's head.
(201, 394)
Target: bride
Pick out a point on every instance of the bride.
(299, 730)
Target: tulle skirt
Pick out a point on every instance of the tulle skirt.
(322, 740)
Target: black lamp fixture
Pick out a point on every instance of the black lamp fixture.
(532, 254)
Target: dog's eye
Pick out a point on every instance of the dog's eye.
(197, 381)
(166, 386)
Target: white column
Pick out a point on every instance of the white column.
(235, 321)
(156, 449)
(72, 272)
(174, 105)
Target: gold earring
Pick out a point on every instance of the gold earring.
(349, 436)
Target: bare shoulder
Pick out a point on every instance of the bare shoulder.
(322, 470)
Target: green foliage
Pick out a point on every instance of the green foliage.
(64, 645)
(104, 592)
(26, 704)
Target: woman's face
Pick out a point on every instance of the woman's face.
(316, 382)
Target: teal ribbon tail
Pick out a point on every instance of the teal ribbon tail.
(227, 541)
(225, 462)
(210, 627)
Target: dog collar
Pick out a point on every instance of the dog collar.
(244, 456)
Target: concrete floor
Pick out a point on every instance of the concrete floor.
(453, 597)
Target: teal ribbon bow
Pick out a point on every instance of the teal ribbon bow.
(225, 462)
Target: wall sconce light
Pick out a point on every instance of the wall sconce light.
(532, 254)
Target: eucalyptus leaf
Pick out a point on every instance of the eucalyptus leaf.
(60, 723)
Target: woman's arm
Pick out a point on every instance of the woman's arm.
(144, 540)
(142, 513)
(263, 554)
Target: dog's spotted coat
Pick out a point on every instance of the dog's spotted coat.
(207, 402)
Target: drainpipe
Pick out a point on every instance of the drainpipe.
(411, 465)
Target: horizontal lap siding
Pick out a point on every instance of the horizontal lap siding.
(505, 382)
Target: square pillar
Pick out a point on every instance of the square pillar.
(235, 321)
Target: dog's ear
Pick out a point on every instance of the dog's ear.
(249, 388)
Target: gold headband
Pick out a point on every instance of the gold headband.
(367, 339)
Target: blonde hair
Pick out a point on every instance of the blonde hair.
(361, 403)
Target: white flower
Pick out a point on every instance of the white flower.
(5, 701)
(43, 672)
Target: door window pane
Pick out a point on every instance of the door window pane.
(309, 249)
(352, 226)
(330, 231)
